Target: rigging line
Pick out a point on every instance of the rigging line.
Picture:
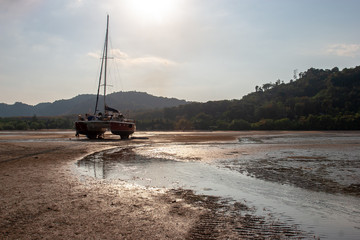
(110, 64)
(115, 66)
(100, 75)
(106, 55)
(95, 83)
(103, 58)
(118, 74)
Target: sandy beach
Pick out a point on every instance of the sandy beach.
(42, 198)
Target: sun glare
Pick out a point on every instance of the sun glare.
(153, 10)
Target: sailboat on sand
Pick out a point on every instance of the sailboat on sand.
(95, 125)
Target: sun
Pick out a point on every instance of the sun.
(153, 10)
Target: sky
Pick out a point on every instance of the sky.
(196, 50)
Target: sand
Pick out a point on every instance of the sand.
(42, 198)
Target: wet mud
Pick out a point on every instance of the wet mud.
(314, 178)
(228, 219)
(323, 162)
(328, 164)
(45, 194)
(221, 218)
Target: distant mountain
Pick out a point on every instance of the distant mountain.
(316, 100)
(123, 101)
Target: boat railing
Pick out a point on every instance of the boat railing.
(129, 120)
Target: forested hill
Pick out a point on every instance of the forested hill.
(123, 101)
(318, 99)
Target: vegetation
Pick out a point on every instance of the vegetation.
(318, 100)
(35, 123)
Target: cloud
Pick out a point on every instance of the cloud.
(94, 54)
(116, 53)
(344, 50)
(150, 60)
(75, 3)
(16, 8)
(126, 60)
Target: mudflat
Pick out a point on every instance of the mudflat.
(41, 197)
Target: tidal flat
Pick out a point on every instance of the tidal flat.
(181, 185)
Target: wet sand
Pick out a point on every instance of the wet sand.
(42, 198)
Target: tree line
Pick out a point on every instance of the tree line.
(36, 123)
(318, 100)
(205, 122)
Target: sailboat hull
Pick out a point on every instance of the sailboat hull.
(122, 128)
(92, 129)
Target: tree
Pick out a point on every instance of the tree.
(183, 124)
(263, 124)
(317, 99)
(202, 121)
(267, 86)
(239, 124)
(283, 124)
(21, 125)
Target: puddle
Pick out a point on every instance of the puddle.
(326, 215)
(223, 169)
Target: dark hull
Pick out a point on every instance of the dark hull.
(122, 128)
(92, 129)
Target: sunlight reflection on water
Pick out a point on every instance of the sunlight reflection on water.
(220, 169)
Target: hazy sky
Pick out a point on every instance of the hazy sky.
(197, 50)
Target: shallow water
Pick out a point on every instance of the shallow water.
(224, 169)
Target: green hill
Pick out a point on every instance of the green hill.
(319, 99)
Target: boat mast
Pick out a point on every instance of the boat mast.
(106, 53)
(104, 58)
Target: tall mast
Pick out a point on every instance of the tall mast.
(106, 53)
(103, 58)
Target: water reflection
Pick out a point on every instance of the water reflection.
(120, 163)
(221, 169)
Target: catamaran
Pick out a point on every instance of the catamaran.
(95, 125)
